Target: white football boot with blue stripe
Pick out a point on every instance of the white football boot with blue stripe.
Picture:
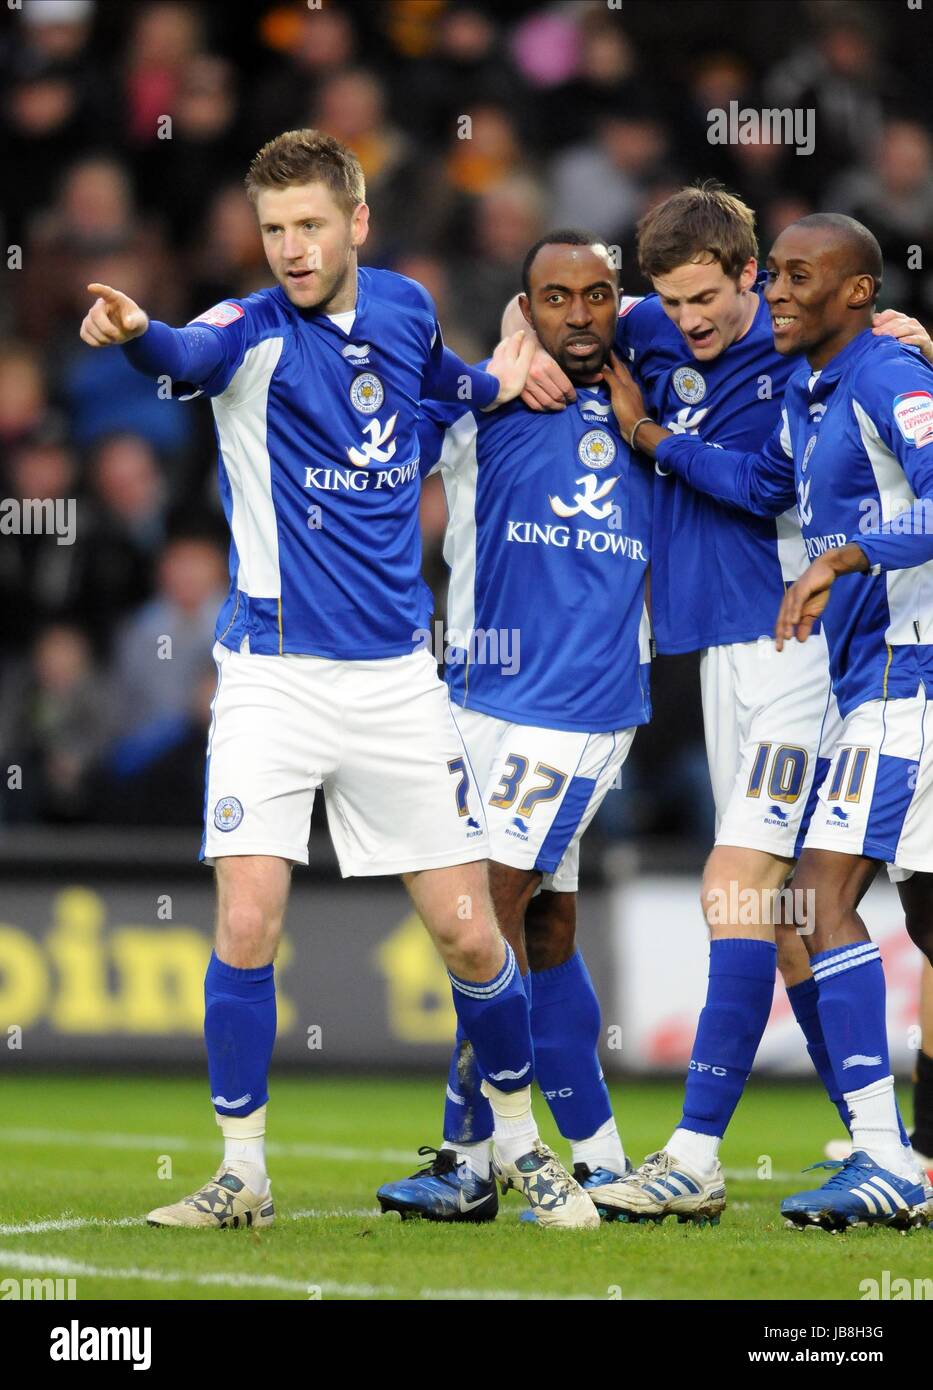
(861, 1193)
(663, 1186)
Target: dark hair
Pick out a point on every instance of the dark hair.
(696, 225)
(573, 236)
(308, 156)
(862, 253)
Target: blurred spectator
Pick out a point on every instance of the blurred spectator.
(351, 106)
(716, 80)
(130, 489)
(779, 213)
(23, 401)
(40, 579)
(57, 30)
(508, 218)
(604, 84)
(895, 198)
(90, 231)
(467, 70)
(844, 77)
(177, 177)
(164, 39)
(313, 44)
(603, 184)
(227, 256)
(546, 48)
(160, 652)
(433, 273)
(92, 560)
(51, 107)
(54, 721)
(479, 156)
(156, 775)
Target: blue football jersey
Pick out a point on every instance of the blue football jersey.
(548, 545)
(717, 576)
(854, 451)
(319, 467)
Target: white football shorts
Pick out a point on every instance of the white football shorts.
(771, 723)
(877, 797)
(377, 736)
(541, 788)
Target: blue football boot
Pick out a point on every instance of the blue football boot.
(588, 1178)
(444, 1190)
(860, 1193)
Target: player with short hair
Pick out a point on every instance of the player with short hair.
(702, 349)
(854, 451)
(316, 387)
(548, 544)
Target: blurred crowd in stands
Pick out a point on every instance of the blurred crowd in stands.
(581, 114)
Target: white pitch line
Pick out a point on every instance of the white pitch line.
(78, 1138)
(79, 1223)
(66, 1223)
(58, 1264)
(749, 1174)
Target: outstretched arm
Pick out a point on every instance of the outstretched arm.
(188, 354)
(761, 483)
(449, 378)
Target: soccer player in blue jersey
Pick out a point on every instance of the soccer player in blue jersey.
(547, 541)
(854, 452)
(702, 349)
(316, 387)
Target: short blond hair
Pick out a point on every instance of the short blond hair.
(308, 156)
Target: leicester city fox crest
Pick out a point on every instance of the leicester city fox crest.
(689, 385)
(228, 813)
(367, 393)
(596, 449)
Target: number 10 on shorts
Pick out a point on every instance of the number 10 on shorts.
(784, 767)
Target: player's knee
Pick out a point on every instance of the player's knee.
(246, 934)
(472, 950)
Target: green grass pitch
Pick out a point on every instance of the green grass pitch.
(82, 1159)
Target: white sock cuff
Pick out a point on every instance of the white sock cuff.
(876, 1088)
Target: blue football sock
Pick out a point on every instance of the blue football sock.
(467, 1113)
(494, 1015)
(851, 1001)
(738, 1002)
(565, 1024)
(803, 1001)
(468, 1117)
(239, 1030)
